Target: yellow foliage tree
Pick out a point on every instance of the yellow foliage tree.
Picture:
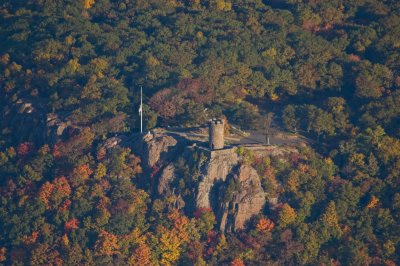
(330, 217)
(4, 59)
(223, 5)
(88, 4)
(287, 215)
(74, 65)
(152, 61)
(293, 182)
(65, 240)
(131, 241)
(222, 245)
(170, 246)
(99, 65)
(91, 90)
(100, 171)
(181, 224)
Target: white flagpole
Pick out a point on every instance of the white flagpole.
(141, 109)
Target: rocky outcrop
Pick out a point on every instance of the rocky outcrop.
(219, 165)
(157, 147)
(231, 189)
(238, 206)
(225, 184)
(57, 129)
(167, 176)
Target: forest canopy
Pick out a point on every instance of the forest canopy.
(70, 77)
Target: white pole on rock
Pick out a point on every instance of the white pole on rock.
(141, 110)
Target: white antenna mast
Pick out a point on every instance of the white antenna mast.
(141, 110)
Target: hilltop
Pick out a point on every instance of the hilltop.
(79, 185)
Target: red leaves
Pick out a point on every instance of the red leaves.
(168, 102)
(25, 149)
(155, 170)
(164, 103)
(64, 206)
(57, 151)
(212, 242)
(72, 224)
(196, 90)
(75, 145)
(31, 239)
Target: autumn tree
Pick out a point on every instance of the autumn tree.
(106, 244)
(100, 171)
(170, 246)
(265, 225)
(287, 215)
(72, 224)
(141, 256)
(237, 262)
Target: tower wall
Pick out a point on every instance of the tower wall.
(216, 134)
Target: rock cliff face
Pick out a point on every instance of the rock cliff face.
(167, 176)
(238, 206)
(156, 147)
(233, 205)
(219, 165)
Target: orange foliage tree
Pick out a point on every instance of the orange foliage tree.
(106, 244)
(265, 225)
(181, 224)
(3, 254)
(31, 239)
(45, 193)
(80, 174)
(237, 262)
(52, 194)
(373, 202)
(141, 256)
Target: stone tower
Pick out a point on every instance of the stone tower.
(216, 134)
